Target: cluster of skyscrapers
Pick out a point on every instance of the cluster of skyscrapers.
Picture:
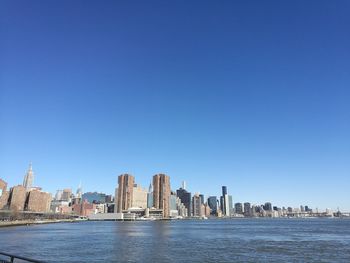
(132, 201)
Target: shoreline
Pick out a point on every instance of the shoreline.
(53, 221)
(35, 222)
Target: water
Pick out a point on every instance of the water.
(238, 240)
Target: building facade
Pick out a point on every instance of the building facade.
(29, 178)
(186, 199)
(212, 202)
(161, 193)
(139, 197)
(125, 192)
(38, 201)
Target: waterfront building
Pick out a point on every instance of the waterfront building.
(3, 186)
(212, 202)
(182, 210)
(84, 208)
(17, 198)
(247, 209)
(125, 192)
(267, 206)
(58, 195)
(225, 202)
(94, 197)
(230, 205)
(161, 193)
(38, 201)
(4, 194)
(173, 205)
(150, 196)
(197, 205)
(60, 206)
(116, 200)
(139, 197)
(28, 178)
(66, 195)
(201, 196)
(207, 210)
(239, 208)
(186, 199)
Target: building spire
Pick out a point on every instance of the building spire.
(150, 189)
(29, 178)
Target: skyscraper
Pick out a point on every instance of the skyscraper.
(125, 192)
(212, 202)
(150, 196)
(186, 199)
(197, 205)
(161, 193)
(247, 209)
(28, 178)
(225, 204)
(230, 205)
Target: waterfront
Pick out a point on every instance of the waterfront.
(238, 240)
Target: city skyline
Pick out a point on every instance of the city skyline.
(126, 196)
(251, 96)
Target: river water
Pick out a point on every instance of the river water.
(236, 240)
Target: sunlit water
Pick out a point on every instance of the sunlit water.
(238, 240)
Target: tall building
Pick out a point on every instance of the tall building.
(225, 206)
(183, 185)
(212, 202)
(139, 197)
(150, 196)
(125, 192)
(247, 209)
(238, 208)
(28, 178)
(161, 193)
(186, 199)
(267, 206)
(230, 205)
(197, 205)
(201, 196)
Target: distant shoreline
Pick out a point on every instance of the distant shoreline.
(34, 222)
(53, 221)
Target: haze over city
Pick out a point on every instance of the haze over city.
(252, 97)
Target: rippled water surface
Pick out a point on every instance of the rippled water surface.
(237, 240)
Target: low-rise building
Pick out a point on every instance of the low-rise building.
(38, 201)
(17, 198)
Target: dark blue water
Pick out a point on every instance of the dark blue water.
(238, 240)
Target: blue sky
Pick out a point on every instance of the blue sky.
(251, 94)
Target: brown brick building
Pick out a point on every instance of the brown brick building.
(17, 198)
(38, 201)
(4, 195)
(125, 192)
(161, 193)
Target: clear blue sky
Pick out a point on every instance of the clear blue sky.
(254, 95)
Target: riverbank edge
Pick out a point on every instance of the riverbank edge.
(34, 222)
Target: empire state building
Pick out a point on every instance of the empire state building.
(29, 178)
